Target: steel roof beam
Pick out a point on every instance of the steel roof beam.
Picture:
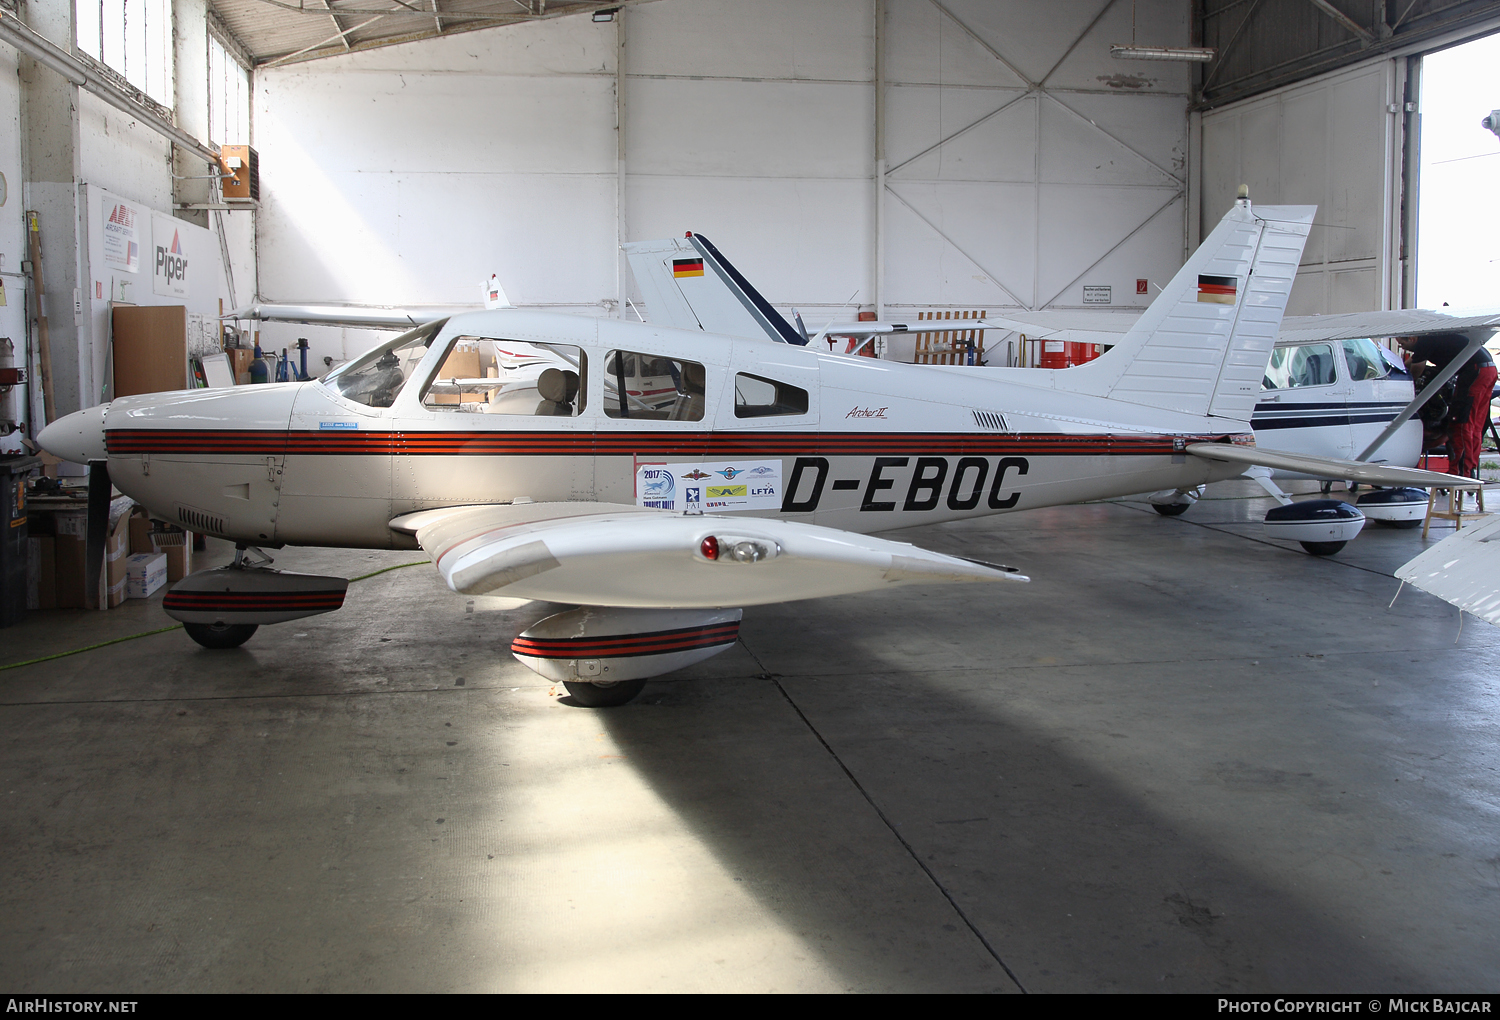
(1366, 37)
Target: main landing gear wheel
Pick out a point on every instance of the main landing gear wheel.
(1171, 509)
(220, 635)
(1323, 548)
(608, 695)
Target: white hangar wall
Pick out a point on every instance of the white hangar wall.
(61, 149)
(1024, 163)
(1334, 142)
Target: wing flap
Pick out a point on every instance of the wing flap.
(611, 555)
(1463, 569)
(1325, 467)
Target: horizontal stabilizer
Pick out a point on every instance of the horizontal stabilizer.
(604, 554)
(1325, 467)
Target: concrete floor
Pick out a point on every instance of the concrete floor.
(1182, 759)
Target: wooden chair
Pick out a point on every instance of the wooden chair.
(949, 346)
(1455, 512)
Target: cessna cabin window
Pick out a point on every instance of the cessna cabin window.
(1306, 365)
(1365, 362)
(652, 388)
(481, 375)
(756, 397)
(375, 378)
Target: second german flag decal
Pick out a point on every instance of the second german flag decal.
(1218, 290)
(686, 267)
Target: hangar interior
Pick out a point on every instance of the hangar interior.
(1186, 757)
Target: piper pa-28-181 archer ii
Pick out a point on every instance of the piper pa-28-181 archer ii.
(760, 480)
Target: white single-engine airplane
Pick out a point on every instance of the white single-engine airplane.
(760, 480)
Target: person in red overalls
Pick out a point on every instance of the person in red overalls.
(1470, 408)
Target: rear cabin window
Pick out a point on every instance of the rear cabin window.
(374, 379)
(1307, 365)
(758, 397)
(653, 388)
(482, 375)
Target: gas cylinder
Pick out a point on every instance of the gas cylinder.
(259, 370)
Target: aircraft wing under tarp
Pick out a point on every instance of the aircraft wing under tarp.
(608, 554)
(1463, 569)
(1105, 327)
(366, 316)
(1325, 467)
(1400, 322)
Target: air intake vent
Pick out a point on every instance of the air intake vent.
(991, 420)
(199, 520)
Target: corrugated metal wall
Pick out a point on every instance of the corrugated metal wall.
(1334, 142)
(1024, 163)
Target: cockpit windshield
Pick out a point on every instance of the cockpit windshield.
(375, 378)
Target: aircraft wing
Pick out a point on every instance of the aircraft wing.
(1069, 324)
(604, 554)
(1462, 569)
(1105, 327)
(1401, 322)
(1325, 467)
(347, 315)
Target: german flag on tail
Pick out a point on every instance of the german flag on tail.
(1218, 290)
(686, 267)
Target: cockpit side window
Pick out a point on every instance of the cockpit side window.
(482, 375)
(758, 397)
(375, 378)
(1365, 362)
(1304, 365)
(653, 388)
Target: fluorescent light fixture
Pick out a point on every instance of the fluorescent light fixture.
(1161, 53)
(608, 15)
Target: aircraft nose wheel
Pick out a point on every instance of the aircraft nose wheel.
(1170, 509)
(606, 695)
(1323, 548)
(220, 635)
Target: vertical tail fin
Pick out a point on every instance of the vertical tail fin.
(1203, 344)
(686, 283)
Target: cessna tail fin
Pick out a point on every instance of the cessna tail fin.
(686, 283)
(1202, 345)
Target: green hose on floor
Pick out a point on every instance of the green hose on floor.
(175, 626)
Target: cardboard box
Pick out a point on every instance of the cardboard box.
(145, 573)
(116, 552)
(140, 533)
(461, 364)
(71, 527)
(179, 559)
(70, 554)
(239, 360)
